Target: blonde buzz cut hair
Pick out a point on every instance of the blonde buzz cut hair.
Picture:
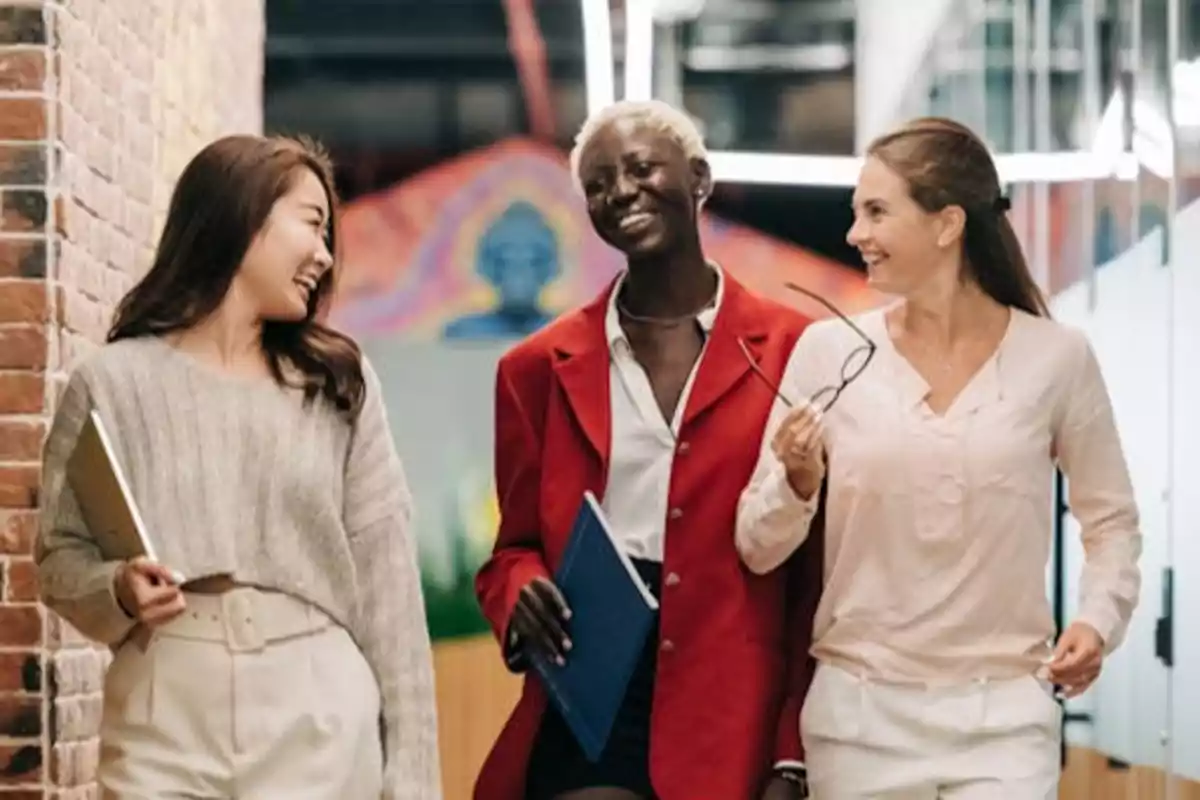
(654, 114)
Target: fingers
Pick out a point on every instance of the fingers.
(1080, 674)
(170, 607)
(1072, 659)
(1080, 685)
(539, 617)
(799, 436)
(553, 599)
(798, 416)
(152, 570)
(155, 601)
(1076, 663)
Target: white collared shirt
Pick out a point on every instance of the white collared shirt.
(642, 449)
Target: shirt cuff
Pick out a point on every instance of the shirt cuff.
(789, 764)
(1107, 624)
(783, 496)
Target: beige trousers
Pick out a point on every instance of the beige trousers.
(246, 695)
(987, 740)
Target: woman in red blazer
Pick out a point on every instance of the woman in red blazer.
(648, 397)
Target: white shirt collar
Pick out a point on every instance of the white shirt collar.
(706, 318)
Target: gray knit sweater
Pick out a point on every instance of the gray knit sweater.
(240, 477)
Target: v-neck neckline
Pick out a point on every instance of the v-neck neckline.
(982, 386)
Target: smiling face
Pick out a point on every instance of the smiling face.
(289, 258)
(903, 246)
(642, 190)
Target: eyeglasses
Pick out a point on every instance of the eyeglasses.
(852, 367)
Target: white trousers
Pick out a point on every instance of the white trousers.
(248, 694)
(986, 740)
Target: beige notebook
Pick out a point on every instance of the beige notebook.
(104, 496)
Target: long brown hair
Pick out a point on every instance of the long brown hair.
(945, 164)
(220, 203)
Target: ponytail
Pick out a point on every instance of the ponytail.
(996, 262)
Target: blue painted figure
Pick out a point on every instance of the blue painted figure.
(518, 255)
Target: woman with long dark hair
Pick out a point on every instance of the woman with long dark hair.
(934, 639)
(278, 647)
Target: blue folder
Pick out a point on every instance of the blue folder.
(612, 612)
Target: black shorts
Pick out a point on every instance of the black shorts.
(558, 765)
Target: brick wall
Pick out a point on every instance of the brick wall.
(101, 105)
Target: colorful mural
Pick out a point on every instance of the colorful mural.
(444, 271)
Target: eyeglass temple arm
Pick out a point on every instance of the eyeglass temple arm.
(808, 293)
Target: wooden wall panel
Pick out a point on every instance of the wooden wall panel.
(475, 694)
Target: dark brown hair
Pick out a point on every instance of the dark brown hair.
(220, 203)
(945, 164)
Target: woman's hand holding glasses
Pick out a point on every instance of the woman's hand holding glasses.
(799, 445)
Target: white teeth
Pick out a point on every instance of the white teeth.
(634, 220)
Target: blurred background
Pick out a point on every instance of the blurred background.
(450, 122)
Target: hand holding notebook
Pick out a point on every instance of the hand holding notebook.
(611, 611)
(539, 621)
(106, 501)
(148, 592)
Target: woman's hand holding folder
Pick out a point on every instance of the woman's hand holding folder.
(539, 620)
(148, 592)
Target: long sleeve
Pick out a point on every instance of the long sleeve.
(1101, 498)
(772, 520)
(76, 582)
(390, 621)
(517, 556)
(805, 582)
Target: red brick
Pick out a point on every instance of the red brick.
(21, 440)
(22, 164)
(20, 764)
(22, 24)
(17, 531)
(20, 626)
(20, 716)
(23, 301)
(22, 69)
(23, 211)
(22, 347)
(21, 581)
(23, 257)
(22, 392)
(22, 118)
(18, 486)
(20, 671)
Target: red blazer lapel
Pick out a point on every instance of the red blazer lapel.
(582, 369)
(725, 362)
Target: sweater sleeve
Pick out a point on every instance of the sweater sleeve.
(76, 581)
(390, 621)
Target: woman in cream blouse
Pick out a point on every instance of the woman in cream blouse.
(934, 636)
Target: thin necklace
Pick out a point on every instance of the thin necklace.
(665, 322)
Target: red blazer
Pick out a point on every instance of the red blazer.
(730, 687)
